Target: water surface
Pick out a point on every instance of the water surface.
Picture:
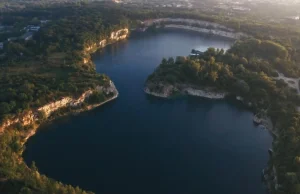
(140, 144)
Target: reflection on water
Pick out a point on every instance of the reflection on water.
(140, 144)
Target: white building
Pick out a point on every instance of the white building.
(32, 28)
(27, 36)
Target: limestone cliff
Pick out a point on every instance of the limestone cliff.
(196, 25)
(24, 119)
(167, 90)
(227, 34)
(119, 35)
(114, 36)
(31, 116)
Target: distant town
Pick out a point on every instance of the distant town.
(233, 8)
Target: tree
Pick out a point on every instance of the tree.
(241, 87)
(23, 97)
(213, 76)
(180, 60)
(171, 61)
(164, 61)
(4, 108)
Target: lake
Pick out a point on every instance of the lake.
(139, 144)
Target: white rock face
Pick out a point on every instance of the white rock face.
(204, 93)
(24, 119)
(85, 60)
(81, 99)
(264, 122)
(102, 43)
(114, 36)
(192, 22)
(51, 107)
(120, 34)
(166, 90)
(226, 34)
(32, 115)
(201, 26)
(165, 93)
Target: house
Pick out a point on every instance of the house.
(27, 36)
(32, 28)
(196, 53)
(1, 45)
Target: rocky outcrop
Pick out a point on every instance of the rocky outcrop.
(85, 60)
(33, 115)
(204, 93)
(102, 43)
(264, 122)
(161, 90)
(75, 102)
(53, 106)
(23, 119)
(167, 90)
(196, 25)
(119, 35)
(114, 36)
(186, 21)
(232, 35)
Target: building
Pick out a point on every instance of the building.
(27, 36)
(32, 28)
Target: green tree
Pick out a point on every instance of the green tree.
(4, 108)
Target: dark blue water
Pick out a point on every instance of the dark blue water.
(140, 144)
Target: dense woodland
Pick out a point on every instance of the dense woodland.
(248, 70)
(42, 70)
(50, 66)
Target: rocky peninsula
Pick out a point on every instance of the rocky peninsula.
(20, 126)
(216, 74)
(166, 90)
(33, 116)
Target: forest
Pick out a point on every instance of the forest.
(248, 70)
(44, 69)
(50, 66)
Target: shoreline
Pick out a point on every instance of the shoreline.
(196, 25)
(215, 32)
(80, 110)
(33, 120)
(169, 90)
(263, 122)
(187, 91)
